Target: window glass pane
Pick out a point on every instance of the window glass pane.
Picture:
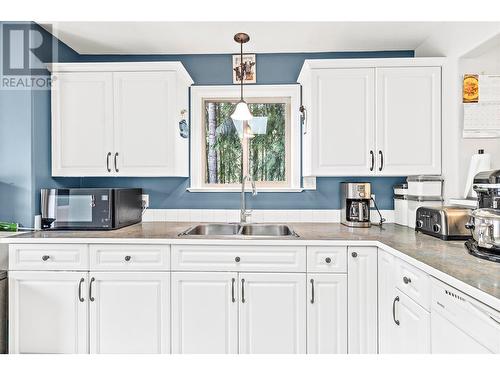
(268, 151)
(223, 148)
(222, 145)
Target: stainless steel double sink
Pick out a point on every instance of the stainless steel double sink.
(234, 229)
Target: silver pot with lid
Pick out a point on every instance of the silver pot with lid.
(484, 225)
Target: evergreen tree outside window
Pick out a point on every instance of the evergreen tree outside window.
(225, 154)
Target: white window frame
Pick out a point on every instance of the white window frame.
(199, 94)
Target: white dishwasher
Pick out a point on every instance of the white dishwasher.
(461, 324)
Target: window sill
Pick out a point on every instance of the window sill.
(248, 189)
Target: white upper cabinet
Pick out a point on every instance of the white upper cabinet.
(119, 119)
(409, 121)
(344, 110)
(82, 123)
(371, 117)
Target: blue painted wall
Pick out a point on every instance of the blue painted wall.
(25, 152)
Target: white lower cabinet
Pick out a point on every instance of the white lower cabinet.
(327, 314)
(48, 312)
(129, 312)
(205, 312)
(404, 325)
(412, 331)
(272, 313)
(362, 301)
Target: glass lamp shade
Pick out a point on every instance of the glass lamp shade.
(241, 112)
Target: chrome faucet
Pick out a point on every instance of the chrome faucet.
(244, 213)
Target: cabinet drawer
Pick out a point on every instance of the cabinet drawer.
(415, 283)
(49, 257)
(238, 258)
(129, 257)
(327, 259)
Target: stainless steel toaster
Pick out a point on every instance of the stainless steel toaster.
(446, 222)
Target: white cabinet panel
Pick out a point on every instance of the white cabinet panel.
(413, 333)
(327, 314)
(48, 312)
(362, 304)
(205, 312)
(238, 258)
(386, 295)
(130, 312)
(82, 123)
(48, 257)
(145, 123)
(414, 283)
(272, 313)
(341, 121)
(327, 259)
(408, 120)
(128, 257)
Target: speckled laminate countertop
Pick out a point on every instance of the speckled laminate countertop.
(448, 258)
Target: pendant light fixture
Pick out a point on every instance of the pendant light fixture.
(241, 112)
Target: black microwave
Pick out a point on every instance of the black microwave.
(90, 209)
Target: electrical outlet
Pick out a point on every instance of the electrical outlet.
(145, 201)
(371, 201)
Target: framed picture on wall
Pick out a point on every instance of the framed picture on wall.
(249, 69)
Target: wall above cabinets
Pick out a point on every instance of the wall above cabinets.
(119, 119)
(367, 117)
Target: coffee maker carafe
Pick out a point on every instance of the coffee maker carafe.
(355, 204)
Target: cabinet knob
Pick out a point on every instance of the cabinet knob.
(406, 280)
(354, 254)
(328, 260)
(45, 258)
(127, 258)
(237, 259)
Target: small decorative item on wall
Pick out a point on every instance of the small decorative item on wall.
(249, 69)
(183, 125)
(471, 88)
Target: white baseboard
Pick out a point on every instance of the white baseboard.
(258, 216)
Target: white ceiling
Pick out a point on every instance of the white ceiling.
(217, 37)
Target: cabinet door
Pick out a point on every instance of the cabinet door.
(272, 313)
(362, 300)
(82, 124)
(145, 123)
(48, 312)
(205, 312)
(327, 314)
(386, 287)
(130, 312)
(408, 121)
(414, 329)
(342, 122)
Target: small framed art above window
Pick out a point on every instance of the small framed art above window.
(219, 153)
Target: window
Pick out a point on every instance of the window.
(219, 155)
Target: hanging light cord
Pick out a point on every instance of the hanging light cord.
(241, 71)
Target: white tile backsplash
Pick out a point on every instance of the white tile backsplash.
(258, 216)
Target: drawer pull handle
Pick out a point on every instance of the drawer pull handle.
(237, 259)
(354, 254)
(90, 290)
(45, 258)
(80, 290)
(232, 290)
(127, 258)
(394, 310)
(406, 280)
(242, 290)
(312, 290)
(328, 260)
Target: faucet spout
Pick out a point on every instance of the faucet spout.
(244, 213)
